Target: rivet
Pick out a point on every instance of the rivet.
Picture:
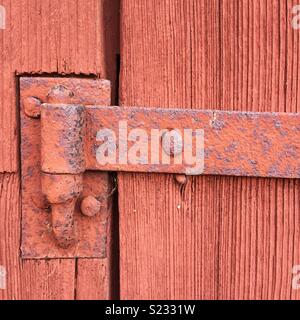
(172, 143)
(90, 206)
(32, 107)
(181, 179)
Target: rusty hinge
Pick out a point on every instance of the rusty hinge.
(65, 209)
(70, 133)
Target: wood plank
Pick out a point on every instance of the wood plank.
(48, 280)
(27, 279)
(93, 279)
(216, 237)
(48, 37)
(52, 36)
(10, 235)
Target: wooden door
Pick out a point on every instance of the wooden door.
(215, 237)
(49, 37)
(211, 238)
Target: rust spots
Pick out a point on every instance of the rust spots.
(236, 143)
(52, 223)
(72, 113)
(62, 192)
(62, 135)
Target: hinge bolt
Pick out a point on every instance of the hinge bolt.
(90, 206)
(32, 107)
(172, 143)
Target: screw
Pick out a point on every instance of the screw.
(90, 206)
(172, 143)
(32, 107)
(181, 179)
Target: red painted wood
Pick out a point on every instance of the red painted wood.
(59, 37)
(215, 237)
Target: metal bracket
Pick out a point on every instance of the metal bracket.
(65, 214)
(78, 132)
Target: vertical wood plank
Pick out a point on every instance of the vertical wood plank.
(92, 281)
(48, 37)
(48, 280)
(52, 36)
(27, 279)
(10, 235)
(216, 237)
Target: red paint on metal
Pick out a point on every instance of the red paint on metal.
(90, 206)
(62, 192)
(62, 138)
(32, 107)
(235, 143)
(39, 224)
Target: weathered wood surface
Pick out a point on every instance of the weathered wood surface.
(49, 37)
(216, 237)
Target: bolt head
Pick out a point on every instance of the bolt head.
(172, 143)
(181, 179)
(32, 107)
(90, 206)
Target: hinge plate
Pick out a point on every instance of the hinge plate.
(38, 241)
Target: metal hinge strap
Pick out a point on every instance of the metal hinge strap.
(80, 133)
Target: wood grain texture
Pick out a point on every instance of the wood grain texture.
(93, 280)
(10, 234)
(52, 36)
(49, 37)
(216, 237)
(27, 279)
